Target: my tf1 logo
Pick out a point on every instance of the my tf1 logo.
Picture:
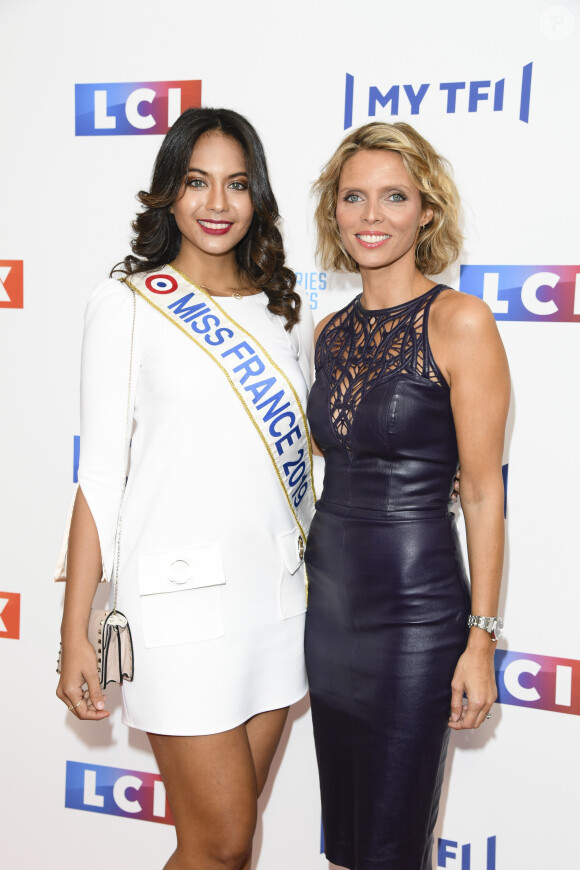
(10, 615)
(460, 855)
(545, 293)
(132, 108)
(11, 284)
(117, 792)
(455, 96)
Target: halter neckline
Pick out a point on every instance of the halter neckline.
(373, 312)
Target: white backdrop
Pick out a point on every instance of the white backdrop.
(511, 798)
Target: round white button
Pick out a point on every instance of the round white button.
(180, 572)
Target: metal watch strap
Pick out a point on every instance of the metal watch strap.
(493, 625)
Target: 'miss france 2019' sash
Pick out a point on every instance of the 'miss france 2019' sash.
(267, 395)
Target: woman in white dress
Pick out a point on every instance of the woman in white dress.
(211, 576)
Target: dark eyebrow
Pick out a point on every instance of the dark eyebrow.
(202, 172)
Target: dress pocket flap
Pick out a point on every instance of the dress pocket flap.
(292, 545)
(192, 567)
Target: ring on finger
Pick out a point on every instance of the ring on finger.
(74, 706)
(488, 715)
(70, 707)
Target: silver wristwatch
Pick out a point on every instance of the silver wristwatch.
(492, 624)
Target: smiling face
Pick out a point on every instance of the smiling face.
(379, 210)
(214, 210)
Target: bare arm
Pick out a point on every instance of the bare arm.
(79, 662)
(475, 364)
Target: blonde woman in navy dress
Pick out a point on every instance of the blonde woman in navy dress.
(411, 377)
(211, 574)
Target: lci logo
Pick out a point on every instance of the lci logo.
(311, 283)
(460, 855)
(504, 474)
(10, 615)
(451, 850)
(132, 108)
(454, 97)
(11, 284)
(544, 293)
(76, 457)
(543, 682)
(116, 792)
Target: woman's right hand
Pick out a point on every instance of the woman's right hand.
(79, 687)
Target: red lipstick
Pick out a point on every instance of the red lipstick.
(215, 228)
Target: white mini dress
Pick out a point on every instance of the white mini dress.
(210, 575)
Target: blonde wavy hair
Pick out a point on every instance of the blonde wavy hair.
(439, 241)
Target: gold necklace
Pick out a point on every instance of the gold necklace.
(235, 293)
(238, 293)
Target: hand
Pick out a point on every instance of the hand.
(79, 668)
(475, 677)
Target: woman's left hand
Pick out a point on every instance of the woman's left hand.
(475, 677)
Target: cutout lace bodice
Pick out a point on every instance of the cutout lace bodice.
(359, 348)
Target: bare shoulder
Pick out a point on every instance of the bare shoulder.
(464, 337)
(460, 316)
(321, 324)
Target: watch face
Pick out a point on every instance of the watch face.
(498, 627)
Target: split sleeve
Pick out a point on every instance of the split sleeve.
(105, 408)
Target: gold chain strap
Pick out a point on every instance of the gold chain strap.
(125, 458)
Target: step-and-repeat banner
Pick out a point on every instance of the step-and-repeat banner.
(86, 93)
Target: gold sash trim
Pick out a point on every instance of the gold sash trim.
(199, 317)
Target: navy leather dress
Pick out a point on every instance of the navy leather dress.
(388, 593)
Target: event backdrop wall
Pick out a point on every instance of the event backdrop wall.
(86, 92)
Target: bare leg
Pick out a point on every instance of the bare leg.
(264, 732)
(212, 784)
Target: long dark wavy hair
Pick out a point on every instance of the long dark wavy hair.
(259, 255)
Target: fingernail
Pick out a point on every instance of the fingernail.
(100, 705)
